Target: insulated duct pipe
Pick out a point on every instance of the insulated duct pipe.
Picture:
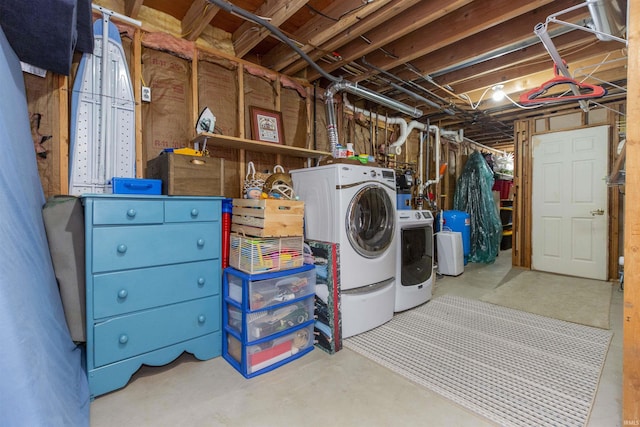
(609, 18)
(335, 87)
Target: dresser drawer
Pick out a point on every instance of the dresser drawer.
(192, 210)
(121, 248)
(127, 211)
(133, 290)
(133, 334)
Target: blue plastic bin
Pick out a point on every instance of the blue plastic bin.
(136, 186)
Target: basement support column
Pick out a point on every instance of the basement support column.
(631, 308)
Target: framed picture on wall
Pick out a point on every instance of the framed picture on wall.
(266, 125)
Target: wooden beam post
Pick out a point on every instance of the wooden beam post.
(63, 132)
(631, 308)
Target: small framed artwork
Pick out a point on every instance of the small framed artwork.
(266, 125)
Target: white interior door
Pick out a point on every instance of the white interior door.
(569, 225)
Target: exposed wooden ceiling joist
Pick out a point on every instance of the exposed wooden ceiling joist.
(340, 17)
(198, 17)
(439, 50)
(248, 35)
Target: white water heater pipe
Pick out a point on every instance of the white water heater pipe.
(405, 130)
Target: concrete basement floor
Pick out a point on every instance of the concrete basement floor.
(319, 389)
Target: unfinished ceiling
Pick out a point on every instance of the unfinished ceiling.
(441, 57)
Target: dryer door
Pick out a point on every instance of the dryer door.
(370, 221)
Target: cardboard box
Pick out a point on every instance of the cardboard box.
(184, 175)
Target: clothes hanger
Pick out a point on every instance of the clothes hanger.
(587, 91)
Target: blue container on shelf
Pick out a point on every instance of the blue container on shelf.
(458, 221)
(136, 186)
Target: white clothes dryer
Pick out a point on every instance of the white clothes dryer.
(414, 268)
(354, 206)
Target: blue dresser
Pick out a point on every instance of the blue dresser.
(153, 280)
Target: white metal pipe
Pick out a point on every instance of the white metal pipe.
(405, 128)
(420, 161)
(485, 147)
(436, 131)
(334, 88)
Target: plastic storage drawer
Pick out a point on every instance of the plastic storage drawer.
(268, 289)
(266, 355)
(264, 254)
(263, 323)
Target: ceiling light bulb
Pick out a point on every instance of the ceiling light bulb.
(498, 93)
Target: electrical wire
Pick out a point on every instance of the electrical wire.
(316, 11)
(230, 8)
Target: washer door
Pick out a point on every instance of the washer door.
(370, 221)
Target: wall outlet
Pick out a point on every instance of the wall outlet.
(146, 94)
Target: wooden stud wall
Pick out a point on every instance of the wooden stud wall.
(61, 132)
(631, 308)
(524, 130)
(521, 238)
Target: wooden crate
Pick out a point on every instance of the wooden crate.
(267, 217)
(184, 175)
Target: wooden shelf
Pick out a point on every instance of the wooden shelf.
(215, 140)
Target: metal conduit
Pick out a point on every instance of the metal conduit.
(407, 91)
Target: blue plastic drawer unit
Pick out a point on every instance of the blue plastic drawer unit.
(268, 318)
(136, 186)
(153, 283)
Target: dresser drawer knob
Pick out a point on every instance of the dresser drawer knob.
(201, 281)
(122, 248)
(123, 338)
(200, 242)
(194, 212)
(122, 294)
(202, 318)
(131, 213)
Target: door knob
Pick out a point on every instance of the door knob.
(597, 212)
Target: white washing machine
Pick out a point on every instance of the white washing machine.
(414, 264)
(354, 206)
